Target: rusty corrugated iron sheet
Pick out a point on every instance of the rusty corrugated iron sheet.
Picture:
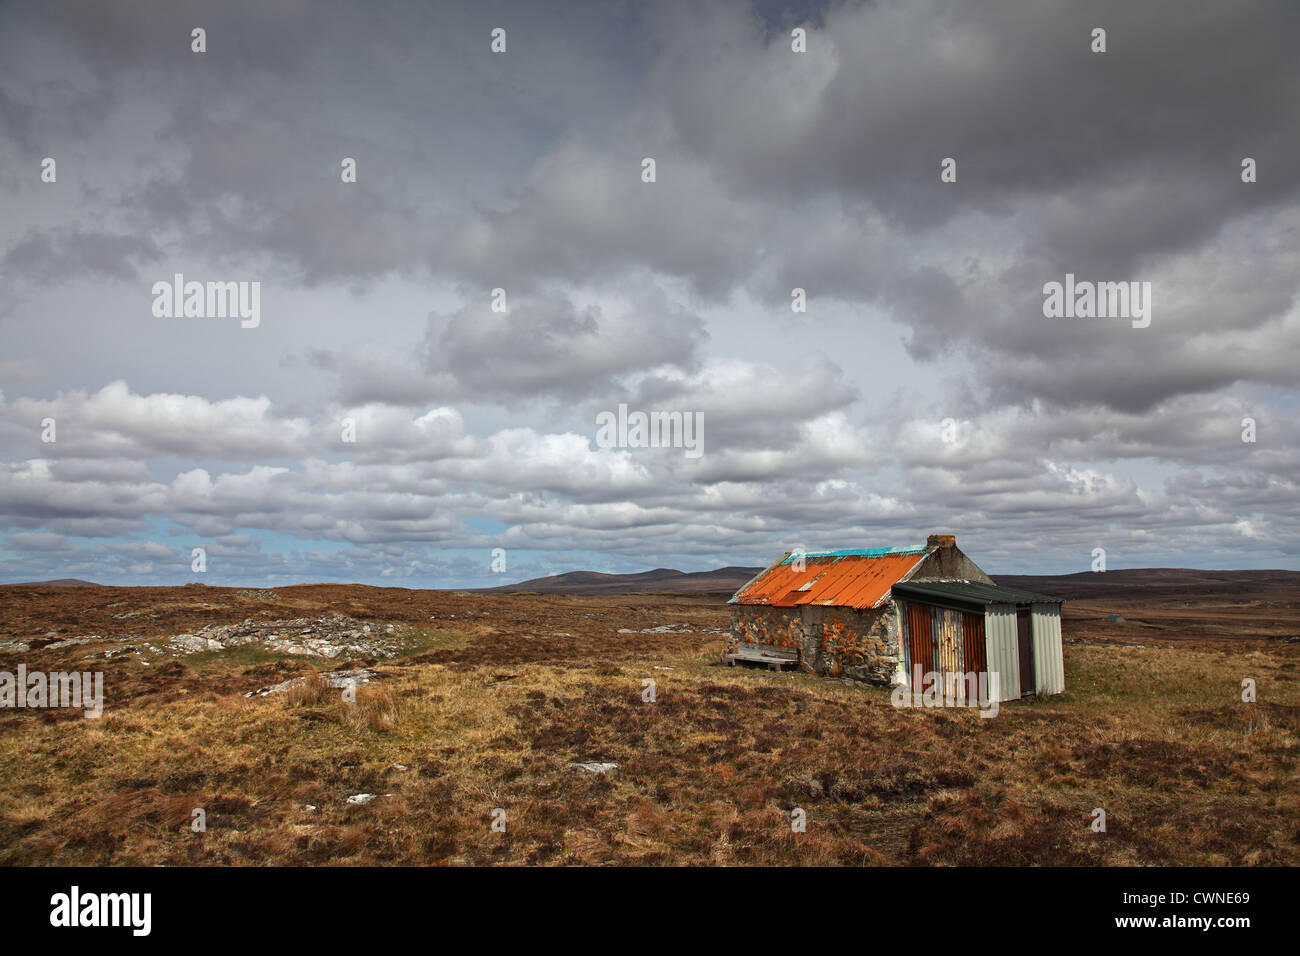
(920, 637)
(856, 579)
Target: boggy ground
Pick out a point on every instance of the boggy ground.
(481, 703)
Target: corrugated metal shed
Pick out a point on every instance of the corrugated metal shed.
(856, 579)
(970, 594)
(1001, 608)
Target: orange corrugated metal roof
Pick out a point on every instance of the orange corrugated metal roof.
(856, 579)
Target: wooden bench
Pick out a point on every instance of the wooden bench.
(773, 656)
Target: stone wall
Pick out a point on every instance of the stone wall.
(836, 641)
(863, 645)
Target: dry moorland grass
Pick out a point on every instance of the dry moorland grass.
(504, 694)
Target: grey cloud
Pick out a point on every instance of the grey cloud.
(775, 170)
(544, 346)
(59, 256)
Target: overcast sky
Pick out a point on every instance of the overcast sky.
(923, 389)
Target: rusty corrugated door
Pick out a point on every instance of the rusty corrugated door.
(920, 639)
(972, 651)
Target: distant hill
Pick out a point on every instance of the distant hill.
(726, 580)
(1164, 583)
(1129, 584)
(1152, 583)
(58, 583)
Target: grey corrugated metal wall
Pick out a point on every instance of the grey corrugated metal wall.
(1049, 663)
(1000, 643)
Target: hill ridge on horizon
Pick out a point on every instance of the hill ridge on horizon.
(729, 578)
(1070, 586)
(733, 577)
